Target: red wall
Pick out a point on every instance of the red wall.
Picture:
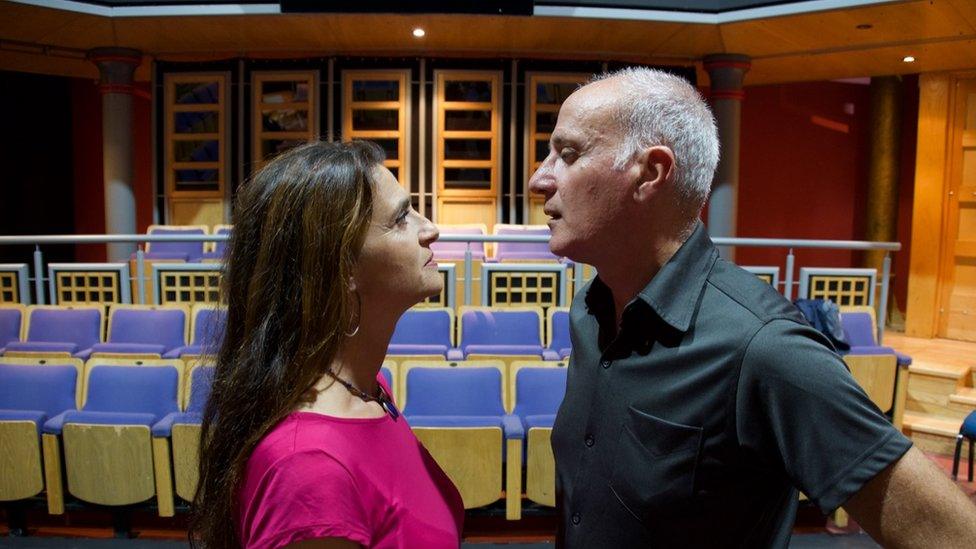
(86, 114)
(803, 172)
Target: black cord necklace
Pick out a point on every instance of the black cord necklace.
(382, 398)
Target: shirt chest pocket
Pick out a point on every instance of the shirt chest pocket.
(654, 466)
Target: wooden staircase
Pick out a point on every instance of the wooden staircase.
(939, 397)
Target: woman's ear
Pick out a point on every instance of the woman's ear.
(656, 164)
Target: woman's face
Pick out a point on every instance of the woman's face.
(396, 266)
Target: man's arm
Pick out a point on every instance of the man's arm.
(912, 503)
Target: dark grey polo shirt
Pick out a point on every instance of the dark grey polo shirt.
(695, 425)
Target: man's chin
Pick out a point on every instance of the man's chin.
(562, 248)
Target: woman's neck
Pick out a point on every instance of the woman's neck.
(357, 362)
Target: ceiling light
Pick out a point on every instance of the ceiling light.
(419, 32)
(909, 59)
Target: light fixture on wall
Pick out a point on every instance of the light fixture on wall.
(419, 32)
(909, 59)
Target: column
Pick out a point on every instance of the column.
(726, 72)
(883, 167)
(116, 67)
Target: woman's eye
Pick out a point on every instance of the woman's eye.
(402, 218)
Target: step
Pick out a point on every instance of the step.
(963, 402)
(930, 384)
(938, 369)
(965, 395)
(932, 433)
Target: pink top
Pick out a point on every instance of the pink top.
(367, 480)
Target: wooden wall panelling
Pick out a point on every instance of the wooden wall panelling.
(540, 116)
(197, 144)
(364, 100)
(464, 193)
(284, 112)
(927, 218)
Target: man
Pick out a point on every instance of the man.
(698, 400)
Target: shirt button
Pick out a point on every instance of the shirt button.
(588, 440)
(576, 518)
(605, 364)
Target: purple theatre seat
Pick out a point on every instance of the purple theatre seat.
(219, 246)
(421, 332)
(208, 333)
(455, 250)
(859, 330)
(144, 331)
(72, 331)
(388, 377)
(36, 393)
(201, 381)
(124, 395)
(10, 323)
(187, 251)
(500, 332)
(561, 343)
(523, 250)
(538, 394)
(458, 397)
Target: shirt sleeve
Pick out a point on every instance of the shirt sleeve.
(306, 495)
(799, 409)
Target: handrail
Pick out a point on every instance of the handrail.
(139, 277)
(718, 241)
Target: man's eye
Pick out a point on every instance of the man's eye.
(567, 154)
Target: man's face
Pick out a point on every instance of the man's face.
(586, 198)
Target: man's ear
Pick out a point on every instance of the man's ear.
(657, 164)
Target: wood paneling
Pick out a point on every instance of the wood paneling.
(957, 296)
(471, 459)
(109, 464)
(540, 475)
(930, 189)
(20, 461)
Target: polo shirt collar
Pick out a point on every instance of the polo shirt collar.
(674, 291)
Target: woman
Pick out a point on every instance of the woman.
(301, 444)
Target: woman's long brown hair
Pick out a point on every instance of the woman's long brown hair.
(299, 225)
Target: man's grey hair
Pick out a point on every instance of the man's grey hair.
(659, 108)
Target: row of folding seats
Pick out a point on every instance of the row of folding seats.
(511, 333)
(186, 251)
(106, 429)
(122, 432)
(142, 331)
(482, 420)
(503, 251)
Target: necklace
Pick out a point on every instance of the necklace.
(383, 398)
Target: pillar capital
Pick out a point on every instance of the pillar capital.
(116, 68)
(726, 72)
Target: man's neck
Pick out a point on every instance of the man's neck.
(631, 272)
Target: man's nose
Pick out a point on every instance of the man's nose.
(542, 180)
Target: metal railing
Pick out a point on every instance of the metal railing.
(787, 282)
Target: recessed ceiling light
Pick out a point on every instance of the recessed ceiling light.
(909, 59)
(419, 32)
(864, 26)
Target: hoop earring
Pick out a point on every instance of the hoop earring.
(359, 316)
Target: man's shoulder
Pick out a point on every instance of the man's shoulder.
(748, 295)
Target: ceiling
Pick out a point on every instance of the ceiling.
(865, 40)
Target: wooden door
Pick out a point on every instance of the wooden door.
(958, 296)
